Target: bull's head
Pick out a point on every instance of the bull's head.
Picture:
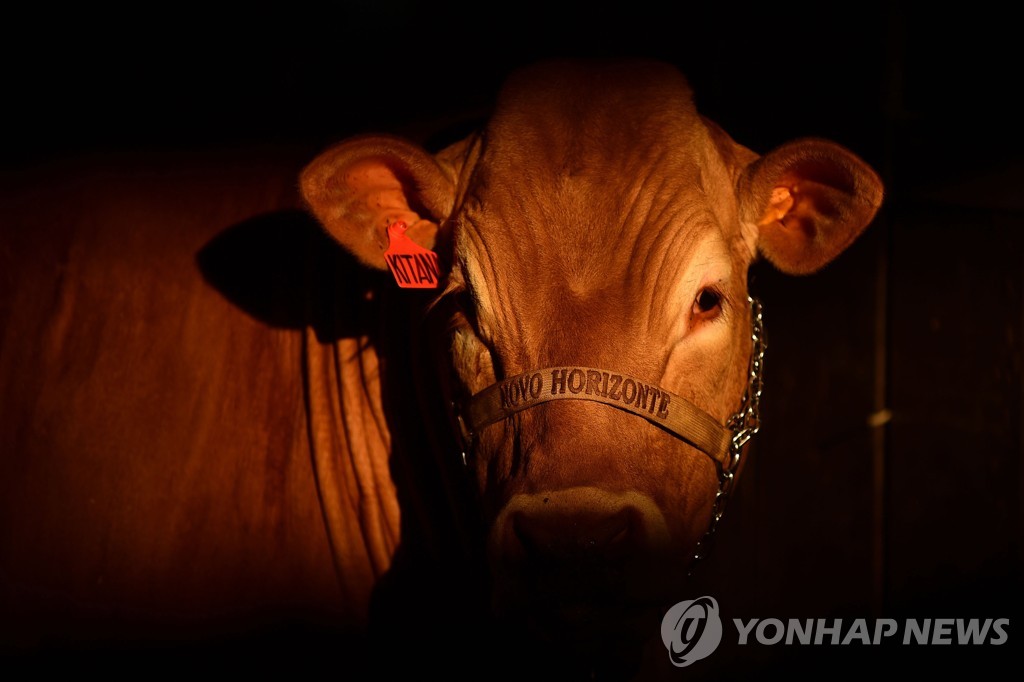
(595, 239)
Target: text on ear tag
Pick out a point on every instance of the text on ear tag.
(412, 266)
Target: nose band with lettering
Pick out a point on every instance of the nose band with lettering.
(664, 408)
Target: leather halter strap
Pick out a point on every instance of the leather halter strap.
(655, 404)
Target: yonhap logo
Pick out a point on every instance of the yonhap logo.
(691, 630)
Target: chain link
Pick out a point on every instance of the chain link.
(744, 425)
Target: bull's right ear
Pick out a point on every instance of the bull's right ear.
(808, 200)
(359, 187)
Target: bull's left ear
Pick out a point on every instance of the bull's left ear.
(809, 200)
(359, 187)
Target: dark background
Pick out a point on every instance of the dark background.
(924, 316)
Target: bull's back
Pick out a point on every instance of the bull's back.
(154, 456)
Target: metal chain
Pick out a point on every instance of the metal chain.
(744, 425)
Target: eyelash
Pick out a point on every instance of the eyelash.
(707, 300)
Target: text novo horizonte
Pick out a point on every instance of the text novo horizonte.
(532, 386)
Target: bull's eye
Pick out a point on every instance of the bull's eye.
(707, 302)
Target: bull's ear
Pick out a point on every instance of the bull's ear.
(359, 187)
(809, 200)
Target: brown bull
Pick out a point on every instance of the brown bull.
(596, 233)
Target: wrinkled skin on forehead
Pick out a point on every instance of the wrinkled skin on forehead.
(597, 220)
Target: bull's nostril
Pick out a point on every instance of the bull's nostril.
(619, 537)
(572, 534)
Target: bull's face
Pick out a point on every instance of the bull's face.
(597, 235)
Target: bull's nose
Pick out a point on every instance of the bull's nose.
(578, 558)
(572, 535)
(576, 524)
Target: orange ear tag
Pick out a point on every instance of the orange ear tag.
(412, 266)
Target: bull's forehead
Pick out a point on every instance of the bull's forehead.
(593, 196)
(570, 119)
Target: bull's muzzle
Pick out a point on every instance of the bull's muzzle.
(581, 537)
(572, 536)
(578, 524)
